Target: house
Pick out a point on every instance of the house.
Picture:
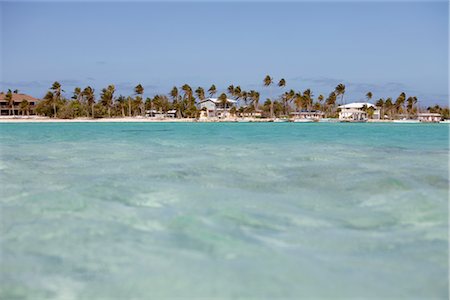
(358, 112)
(212, 107)
(314, 115)
(429, 117)
(172, 113)
(6, 109)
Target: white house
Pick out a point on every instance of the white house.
(429, 117)
(356, 112)
(214, 108)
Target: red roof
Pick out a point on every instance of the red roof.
(18, 97)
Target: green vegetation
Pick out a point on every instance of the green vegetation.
(184, 100)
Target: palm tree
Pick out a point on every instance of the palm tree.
(200, 92)
(255, 99)
(267, 82)
(245, 96)
(139, 91)
(25, 107)
(369, 96)
(56, 88)
(223, 100)
(138, 104)
(231, 90)
(307, 97)
(380, 104)
(282, 83)
(320, 99)
(186, 88)
(9, 99)
(212, 90)
(121, 104)
(298, 101)
(129, 99)
(189, 100)
(340, 91)
(330, 102)
(388, 106)
(176, 101)
(78, 96)
(237, 92)
(287, 97)
(411, 101)
(89, 94)
(399, 103)
(107, 96)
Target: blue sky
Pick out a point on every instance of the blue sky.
(382, 47)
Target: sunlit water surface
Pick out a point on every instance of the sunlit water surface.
(229, 211)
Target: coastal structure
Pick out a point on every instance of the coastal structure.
(153, 113)
(358, 112)
(313, 115)
(27, 108)
(429, 117)
(214, 108)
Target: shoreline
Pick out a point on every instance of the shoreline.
(37, 119)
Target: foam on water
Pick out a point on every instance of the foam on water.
(130, 211)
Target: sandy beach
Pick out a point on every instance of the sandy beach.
(38, 119)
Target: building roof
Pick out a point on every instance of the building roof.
(18, 97)
(357, 105)
(216, 100)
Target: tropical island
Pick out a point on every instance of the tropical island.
(236, 104)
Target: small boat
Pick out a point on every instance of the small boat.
(406, 121)
(445, 122)
(328, 120)
(278, 120)
(303, 120)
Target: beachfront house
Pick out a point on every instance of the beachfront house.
(358, 112)
(429, 117)
(29, 108)
(213, 107)
(314, 115)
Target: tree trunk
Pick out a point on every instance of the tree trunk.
(109, 111)
(129, 108)
(54, 109)
(92, 110)
(123, 111)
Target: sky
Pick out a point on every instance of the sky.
(378, 46)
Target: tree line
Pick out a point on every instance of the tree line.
(185, 99)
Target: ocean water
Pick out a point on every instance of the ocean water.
(224, 211)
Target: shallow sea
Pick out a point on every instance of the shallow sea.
(224, 211)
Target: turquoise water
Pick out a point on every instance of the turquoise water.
(225, 211)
